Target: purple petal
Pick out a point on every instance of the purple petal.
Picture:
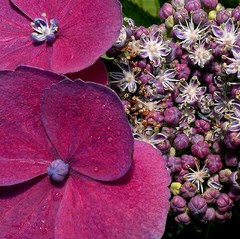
(218, 32)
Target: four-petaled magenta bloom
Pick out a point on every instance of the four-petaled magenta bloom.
(154, 47)
(190, 92)
(62, 36)
(234, 66)
(68, 169)
(189, 34)
(227, 35)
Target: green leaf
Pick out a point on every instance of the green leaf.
(141, 12)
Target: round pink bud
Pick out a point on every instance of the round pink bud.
(210, 4)
(197, 205)
(165, 11)
(183, 218)
(202, 126)
(178, 204)
(201, 149)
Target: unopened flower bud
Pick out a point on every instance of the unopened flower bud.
(212, 15)
(178, 204)
(210, 4)
(214, 163)
(201, 149)
(174, 164)
(169, 22)
(223, 16)
(183, 218)
(188, 190)
(209, 215)
(192, 5)
(211, 195)
(224, 203)
(165, 11)
(224, 175)
(236, 13)
(197, 205)
(181, 141)
(199, 16)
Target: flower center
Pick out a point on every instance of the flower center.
(58, 170)
(43, 31)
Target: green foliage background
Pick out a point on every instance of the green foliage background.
(145, 12)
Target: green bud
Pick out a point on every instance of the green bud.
(212, 15)
(169, 22)
(175, 188)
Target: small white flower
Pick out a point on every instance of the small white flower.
(189, 34)
(191, 92)
(125, 79)
(234, 67)
(227, 35)
(200, 55)
(197, 177)
(154, 47)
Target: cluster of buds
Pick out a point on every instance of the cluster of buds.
(180, 85)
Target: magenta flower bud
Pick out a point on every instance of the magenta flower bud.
(164, 146)
(224, 175)
(172, 116)
(234, 138)
(188, 161)
(197, 138)
(209, 215)
(201, 149)
(202, 126)
(185, 59)
(169, 132)
(183, 218)
(223, 16)
(208, 78)
(212, 88)
(181, 141)
(210, 4)
(139, 31)
(144, 78)
(228, 143)
(214, 163)
(197, 205)
(165, 11)
(234, 194)
(188, 190)
(192, 5)
(231, 159)
(199, 16)
(179, 177)
(180, 15)
(216, 147)
(211, 195)
(182, 71)
(236, 13)
(224, 203)
(222, 217)
(174, 164)
(178, 204)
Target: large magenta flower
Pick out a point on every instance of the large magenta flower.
(62, 36)
(66, 169)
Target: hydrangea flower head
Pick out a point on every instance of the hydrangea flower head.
(63, 36)
(67, 164)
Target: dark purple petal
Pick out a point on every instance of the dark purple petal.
(25, 150)
(87, 124)
(134, 206)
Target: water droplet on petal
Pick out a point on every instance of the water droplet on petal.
(118, 132)
(109, 139)
(109, 127)
(96, 169)
(110, 118)
(103, 107)
(90, 138)
(57, 196)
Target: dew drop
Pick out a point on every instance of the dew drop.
(96, 169)
(109, 127)
(118, 132)
(90, 138)
(84, 96)
(109, 139)
(110, 118)
(103, 107)
(57, 196)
